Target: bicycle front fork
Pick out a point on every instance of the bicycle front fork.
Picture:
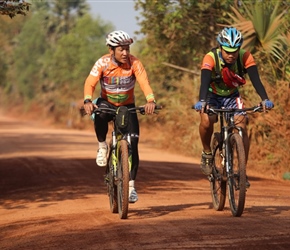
(115, 150)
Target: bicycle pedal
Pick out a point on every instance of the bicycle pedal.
(210, 178)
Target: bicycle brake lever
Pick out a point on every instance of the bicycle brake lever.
(210, 111)
(258, 109)
(142, 111)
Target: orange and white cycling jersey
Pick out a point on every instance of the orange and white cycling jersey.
(208, 62)
(118, 80)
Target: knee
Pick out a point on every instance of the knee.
(206, 123)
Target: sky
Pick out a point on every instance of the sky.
(120, 13)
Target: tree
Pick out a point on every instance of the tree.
(75, 54)
(180, 33)
(65, 11)
(9, 30)
(14, 7)
(177, 31)
(28, 58)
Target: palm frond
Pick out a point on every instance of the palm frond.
(263, 29)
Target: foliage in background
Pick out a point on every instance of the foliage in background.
(47, 65)
(264, 28)
(14, 7)
(176, 32)
(10, 29)
(30, 46)
(74, 55)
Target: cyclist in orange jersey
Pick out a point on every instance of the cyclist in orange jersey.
(117, 73)
(222, 73)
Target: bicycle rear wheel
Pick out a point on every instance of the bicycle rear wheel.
(123, 180)
(218, 185)
(237, 175)
(111, 186)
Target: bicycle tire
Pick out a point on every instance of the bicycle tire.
(123, 180)
(218, 185)
(111, 186)
(237, 175)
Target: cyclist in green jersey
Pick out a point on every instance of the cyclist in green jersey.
(222, 73)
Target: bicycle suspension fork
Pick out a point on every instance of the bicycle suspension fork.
(226, 150)
(129, 151)
(115, 150)
(113, 154)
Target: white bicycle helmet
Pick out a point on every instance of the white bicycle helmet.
(118, 38)
(230, 39)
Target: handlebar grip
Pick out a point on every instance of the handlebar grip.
(210, 111)
(83, 111)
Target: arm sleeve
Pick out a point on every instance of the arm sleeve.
(90, 85)
(256, 81)
(92, 79)
(207, 67)
(143, 80)
(205, 82)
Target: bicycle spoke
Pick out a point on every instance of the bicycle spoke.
(111, 187)
(217, 185)
(237, 178)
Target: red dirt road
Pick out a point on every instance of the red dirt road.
(52, 196)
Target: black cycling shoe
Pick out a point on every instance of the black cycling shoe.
(206, 163)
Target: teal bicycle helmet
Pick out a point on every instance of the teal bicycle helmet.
(230, 39)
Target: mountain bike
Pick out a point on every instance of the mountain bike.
(229, 165)
(119, 163)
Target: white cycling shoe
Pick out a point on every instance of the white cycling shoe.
(133, 197)
(101, 159)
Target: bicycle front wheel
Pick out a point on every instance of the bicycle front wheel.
(123, 180)
(111, 186)
(237, 175)
(217, 183)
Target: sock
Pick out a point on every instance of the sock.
(103, 144)
(131, 185)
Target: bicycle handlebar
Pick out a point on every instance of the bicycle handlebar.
(233, 110)
(139, 109)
